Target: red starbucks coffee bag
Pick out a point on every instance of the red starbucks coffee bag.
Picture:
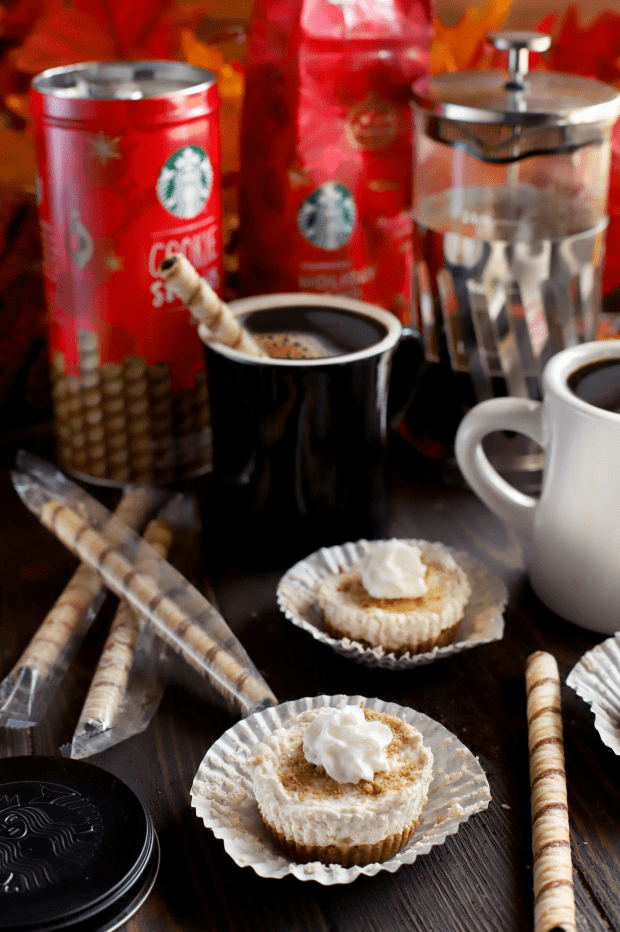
(326, 147)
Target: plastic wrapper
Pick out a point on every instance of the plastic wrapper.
(180, 614)
(596, 678)
(26, 691)
(129, 680)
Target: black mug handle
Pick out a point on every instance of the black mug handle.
(406, 363)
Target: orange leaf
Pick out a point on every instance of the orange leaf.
(230, 80)
(442, 59)
(462, 45)
(19, 104)
(199, 54)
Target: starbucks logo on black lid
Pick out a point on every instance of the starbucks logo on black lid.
(327, 216)
(185, 182)
(47, 832)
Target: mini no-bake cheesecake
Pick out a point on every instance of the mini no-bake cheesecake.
(342, 786)
(402, 596)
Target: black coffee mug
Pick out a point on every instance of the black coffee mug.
(299, 445)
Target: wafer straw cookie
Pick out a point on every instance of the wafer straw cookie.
(61, 622)
(137, 504)
(70, 607)
(109, 682)
(26, 687)
(183, 279)
(70, 423)
(554, 904)
(119, 421)
(114, 421)
(138, 418)
(91, 401)
(173, 625)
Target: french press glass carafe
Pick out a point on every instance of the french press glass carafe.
(511, 181)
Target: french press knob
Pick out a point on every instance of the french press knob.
(519, 44)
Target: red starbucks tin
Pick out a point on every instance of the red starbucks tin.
(129, 166)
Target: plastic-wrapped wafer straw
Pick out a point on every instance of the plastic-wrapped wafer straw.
(128, 684)
(26, 691)
(554, 903)
(183, 279)
(182, 617)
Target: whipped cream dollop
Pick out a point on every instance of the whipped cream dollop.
(393, 569)
(346, 745)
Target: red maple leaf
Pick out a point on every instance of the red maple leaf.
(592, 50)
(70, 31)
(17, 18)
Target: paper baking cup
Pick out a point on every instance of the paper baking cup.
(596, 678)
(482, 621)
(222, 792)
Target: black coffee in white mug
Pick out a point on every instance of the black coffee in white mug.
(299, 443)
(598, 383)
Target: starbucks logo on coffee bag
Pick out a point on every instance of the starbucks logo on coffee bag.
(185, 182)
(327, 216)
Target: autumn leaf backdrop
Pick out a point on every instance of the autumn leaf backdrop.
(39, 34)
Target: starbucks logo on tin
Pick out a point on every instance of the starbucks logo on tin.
(185, 182)
(48, 833)
(327, 216)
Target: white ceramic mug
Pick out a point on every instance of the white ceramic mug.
(572, 532)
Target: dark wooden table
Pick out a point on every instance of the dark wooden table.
(480, 878)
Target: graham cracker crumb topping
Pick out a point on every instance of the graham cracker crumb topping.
(432, 599)
(299, 776)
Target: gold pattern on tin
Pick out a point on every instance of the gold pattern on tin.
(120, 422)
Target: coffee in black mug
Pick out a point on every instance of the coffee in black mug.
(299, 443)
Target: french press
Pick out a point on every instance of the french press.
(511, 181)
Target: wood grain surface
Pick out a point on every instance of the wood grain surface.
(480, 878)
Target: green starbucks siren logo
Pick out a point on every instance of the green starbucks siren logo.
(185, 182)
(327, 216)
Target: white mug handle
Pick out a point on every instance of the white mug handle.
(518, 414)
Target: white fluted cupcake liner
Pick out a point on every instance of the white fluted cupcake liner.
(596, 678)
(222, 792)
(482, 621)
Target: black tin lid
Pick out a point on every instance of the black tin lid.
(78, 849)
